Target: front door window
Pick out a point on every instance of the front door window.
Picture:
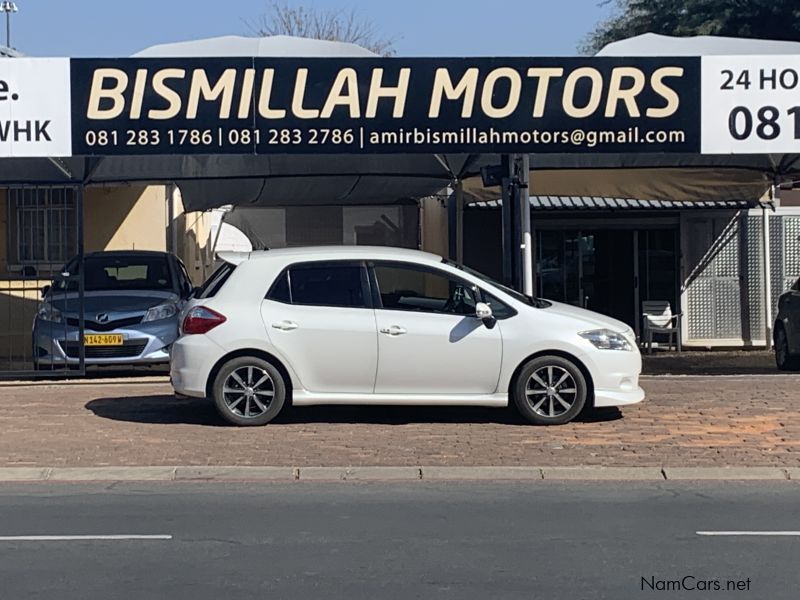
(422, 290)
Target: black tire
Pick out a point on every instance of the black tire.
(545, 385)
(784, 360)
(245, 409)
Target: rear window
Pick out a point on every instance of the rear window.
(214, 283)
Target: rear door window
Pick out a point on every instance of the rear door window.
(325, 283)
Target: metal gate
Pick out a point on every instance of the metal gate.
(41, 301)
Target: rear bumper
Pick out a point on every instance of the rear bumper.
(192, 358)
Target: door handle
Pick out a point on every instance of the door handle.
(394, 330)
(285, 325)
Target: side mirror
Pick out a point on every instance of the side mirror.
(484, 312)
(45, 290)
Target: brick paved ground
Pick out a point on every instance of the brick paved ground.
(684, 422)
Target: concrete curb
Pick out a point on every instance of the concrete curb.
(432, 473)
(725, 473)
(604, 473)
(359, 473)
(481, 473)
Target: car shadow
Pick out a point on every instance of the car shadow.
(170, 410)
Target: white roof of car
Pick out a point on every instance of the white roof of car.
(333, 253)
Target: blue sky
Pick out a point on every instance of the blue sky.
(419, 27)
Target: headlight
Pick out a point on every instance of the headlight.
(48, 312)
(162, 311)
(606, 339)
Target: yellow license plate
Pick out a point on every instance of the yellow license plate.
(111, 339)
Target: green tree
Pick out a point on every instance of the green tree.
(331, 25)
(764, 19)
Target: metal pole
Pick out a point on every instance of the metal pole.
(451, 222)
(507, 211)
(172, 216)
(81, 281)
(459, 196)
(8, 29)
(767, 270)
(526, 235)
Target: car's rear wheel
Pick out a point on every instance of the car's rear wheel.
(249, 391)
(783, 358)
(550, 390)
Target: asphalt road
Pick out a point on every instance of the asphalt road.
(376, 541)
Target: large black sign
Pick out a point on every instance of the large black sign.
(352, 106)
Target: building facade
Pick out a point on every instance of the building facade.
(611, 255)
(39, 233)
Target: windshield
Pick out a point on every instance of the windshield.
(532, 301)
(115, 273)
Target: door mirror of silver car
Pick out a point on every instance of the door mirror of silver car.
(484, 312)
(45, 290)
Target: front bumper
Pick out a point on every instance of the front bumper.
(58, 344)
(615, 374)
(618, 397)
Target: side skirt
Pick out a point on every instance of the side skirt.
(304, 398)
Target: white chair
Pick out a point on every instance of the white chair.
(657, 318)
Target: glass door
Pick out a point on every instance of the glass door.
(608, 279)
(562, 258)
(657, 269)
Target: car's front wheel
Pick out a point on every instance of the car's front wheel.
(550, 390)
(249, 391)
(783, 358)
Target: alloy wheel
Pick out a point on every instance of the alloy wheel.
(551, 391)
(248, 391)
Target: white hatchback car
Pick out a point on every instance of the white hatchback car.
(371, 325)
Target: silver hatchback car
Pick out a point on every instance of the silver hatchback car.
(130, 310)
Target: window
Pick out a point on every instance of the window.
(120, 272)
(183, 275)
(407, 287)
(42, 226)
(500, 311)
(537, 302)
(321, 284)
(279, 292)
(215, 282)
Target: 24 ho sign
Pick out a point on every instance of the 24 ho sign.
(750, 104)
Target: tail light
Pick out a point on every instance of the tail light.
(201, 320)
